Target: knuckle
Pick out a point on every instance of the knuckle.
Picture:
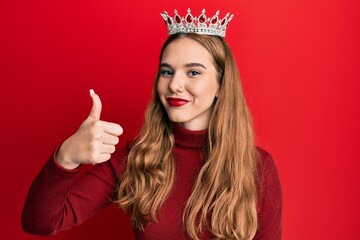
(112, 150)
(93, 157)
(95, 133)
(93, 153)
(107, 157)
(97, 124)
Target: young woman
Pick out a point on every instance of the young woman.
(193, 172)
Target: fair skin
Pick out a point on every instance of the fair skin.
(92, 143)
(187, 84)
(187, 73)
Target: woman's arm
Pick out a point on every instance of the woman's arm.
(59, 199)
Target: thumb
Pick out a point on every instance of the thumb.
(96, 107)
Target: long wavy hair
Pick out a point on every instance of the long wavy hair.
(224, 193)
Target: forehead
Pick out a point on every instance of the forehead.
(186, 50)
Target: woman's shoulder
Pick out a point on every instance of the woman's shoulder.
(265, 160)
(270, 187)
(268, 173)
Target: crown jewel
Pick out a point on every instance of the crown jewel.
(201, 24)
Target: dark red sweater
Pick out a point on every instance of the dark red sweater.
(58, 199)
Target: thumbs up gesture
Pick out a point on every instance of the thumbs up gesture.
(93, 142)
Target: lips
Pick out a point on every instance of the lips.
(176, 102)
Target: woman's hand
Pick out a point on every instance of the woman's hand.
(93, 142)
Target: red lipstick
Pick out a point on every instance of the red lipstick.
(176, 102)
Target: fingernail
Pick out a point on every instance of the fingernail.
(92, 92)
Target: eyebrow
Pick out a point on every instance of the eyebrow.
(185, 65)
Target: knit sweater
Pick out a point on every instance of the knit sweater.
(59, 199)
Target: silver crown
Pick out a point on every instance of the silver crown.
(200, 25)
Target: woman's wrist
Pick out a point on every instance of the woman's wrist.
(63, 160)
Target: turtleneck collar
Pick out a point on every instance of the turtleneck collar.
(189, 138)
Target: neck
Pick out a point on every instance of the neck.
(189, 138)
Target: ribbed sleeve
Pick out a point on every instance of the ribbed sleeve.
(59, 199)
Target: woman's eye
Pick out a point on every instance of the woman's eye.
(166, 73)
(193, 73)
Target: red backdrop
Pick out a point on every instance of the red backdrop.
(299, 60)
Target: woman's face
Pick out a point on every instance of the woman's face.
(187, 84)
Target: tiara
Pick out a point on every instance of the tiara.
(201, 24)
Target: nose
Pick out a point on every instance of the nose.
(177, 83)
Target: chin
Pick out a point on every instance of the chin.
(177, 119)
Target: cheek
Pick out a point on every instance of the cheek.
(162, 91)
(205, 90)
(161, 87)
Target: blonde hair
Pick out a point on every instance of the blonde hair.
(224, 194)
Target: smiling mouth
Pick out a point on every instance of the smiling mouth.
(176, 102)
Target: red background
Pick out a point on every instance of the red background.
(299, 60)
